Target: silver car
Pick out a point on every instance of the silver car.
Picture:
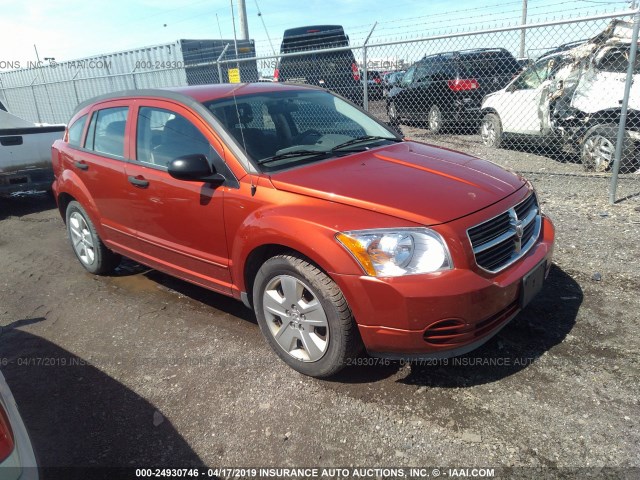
(17, 460)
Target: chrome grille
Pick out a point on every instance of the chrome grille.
(502, 240)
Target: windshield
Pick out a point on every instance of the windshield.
(287, 128)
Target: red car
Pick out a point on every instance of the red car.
(337, 232)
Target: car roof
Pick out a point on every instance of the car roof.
(466, 53)
(198, 93)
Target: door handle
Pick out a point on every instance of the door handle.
(138, 182)
(81, 165)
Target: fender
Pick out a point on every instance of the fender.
(293, 233)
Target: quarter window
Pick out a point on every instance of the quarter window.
(75, 131)
(164, 135)
(106, 131)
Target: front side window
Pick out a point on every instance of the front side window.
(533, 77)
(163, 135)
(106, 131)
(75, 131)
(408, 77)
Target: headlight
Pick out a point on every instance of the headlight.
(397, 252)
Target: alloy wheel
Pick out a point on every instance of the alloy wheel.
(488, 133)
(295, 317)
(81, 238)
(598, 152)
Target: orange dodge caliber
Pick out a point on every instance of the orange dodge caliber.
(334, 229)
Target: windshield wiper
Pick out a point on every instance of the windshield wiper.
(365, 139)
(293, 154)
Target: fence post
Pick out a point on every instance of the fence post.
(364, 79)
(224, 50)
(365, 74)
(35, 100)
(75, 87)
(623, 112)
(4, 94)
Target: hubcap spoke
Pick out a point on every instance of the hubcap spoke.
(314, 350)
(286, 337)
(273, 303)
(313, 313)
(292, 290)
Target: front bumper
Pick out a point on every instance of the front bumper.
(443, 314)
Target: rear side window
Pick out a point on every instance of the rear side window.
(487, 64)
(75, 131)
(164, 135)
(106, 131)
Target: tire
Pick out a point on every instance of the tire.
(434, 119)
(304, 316)
(94, 256)
(491, 130)
(392, 113)
(598, 147)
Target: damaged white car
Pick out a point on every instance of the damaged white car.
(572, 99)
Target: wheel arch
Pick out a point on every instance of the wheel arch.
(487, 110)
(71, 187)
(258, 256)
(64, 199)
(266, 235)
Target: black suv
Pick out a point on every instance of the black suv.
(336, 71)
(448, 88)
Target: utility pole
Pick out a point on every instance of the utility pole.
(523, 31)
(244, 26)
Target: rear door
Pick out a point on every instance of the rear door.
(418, 94)
(180, 224)
(100, 165)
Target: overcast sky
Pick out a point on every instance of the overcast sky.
(71, 29)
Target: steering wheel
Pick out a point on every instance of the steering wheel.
(308, 137)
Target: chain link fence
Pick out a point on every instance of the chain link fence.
(557, 97)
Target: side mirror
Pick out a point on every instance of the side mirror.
(194, 167)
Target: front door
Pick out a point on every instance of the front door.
(180, 224)
(521, 107)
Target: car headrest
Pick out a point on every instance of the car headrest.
(115, 129)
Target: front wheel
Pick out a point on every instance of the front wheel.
(87, 245)
(491, 130)
(598, 148)
(304, 316)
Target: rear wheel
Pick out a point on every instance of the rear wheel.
(87, 245)
(392, 113)
(435, 119)
(304, 316)
(491, 130)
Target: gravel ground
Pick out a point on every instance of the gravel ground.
(139, 369)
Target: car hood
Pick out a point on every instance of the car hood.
(420, 183)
